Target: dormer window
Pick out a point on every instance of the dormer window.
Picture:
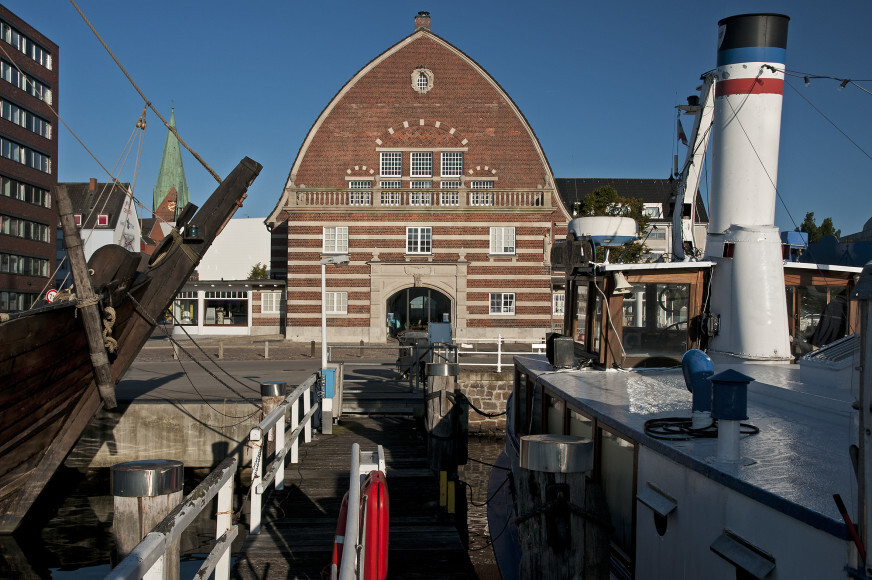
(102, 220)
(78, 218)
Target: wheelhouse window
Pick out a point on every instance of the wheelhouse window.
(422, 164)
(391, 164)
(419, 240)
(502, 303)
(451, 163)
(336, 302)
(502, 240)
(335, 239)
(228, 307)
(655, 320)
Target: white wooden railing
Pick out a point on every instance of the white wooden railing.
(147, 560)
(273, 428)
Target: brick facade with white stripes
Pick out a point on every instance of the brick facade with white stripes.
(369, 182)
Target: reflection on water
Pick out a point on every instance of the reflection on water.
(68, 533)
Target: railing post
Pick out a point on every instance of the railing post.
(307, 405)
(256, 438)
(223, 524)
(272, 393)
(145, 492)
(295, 421)
(499, 353)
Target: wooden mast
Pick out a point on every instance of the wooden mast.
(86, 302)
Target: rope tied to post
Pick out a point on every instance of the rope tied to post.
(108, 323)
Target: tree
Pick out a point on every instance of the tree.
(815, 232)
(258, 272)
(605, 201)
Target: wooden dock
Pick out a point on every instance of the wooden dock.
(299, 522)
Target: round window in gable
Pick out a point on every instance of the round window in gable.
(422, 80)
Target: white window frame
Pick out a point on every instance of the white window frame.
(451, 164)
(653, 210)
(335, 240)
(270, 302)
(102, 220)
(419, 240)
(502, 240)
(421, 164)
(336, 302)
(391, 164)
(420, 197)
(502, 303)
(558, 303)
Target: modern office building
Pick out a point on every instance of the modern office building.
(28, 162)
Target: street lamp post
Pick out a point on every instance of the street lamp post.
(327, 405)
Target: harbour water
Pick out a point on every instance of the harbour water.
(69, 533)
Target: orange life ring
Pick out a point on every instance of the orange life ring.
(374, 510)
(339, 540)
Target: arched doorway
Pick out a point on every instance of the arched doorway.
(413, 308)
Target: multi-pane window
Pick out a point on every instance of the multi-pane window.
(502, 303)
(449, 197)
(452, 163)
(423, 82)
(227, 307)
(27, 84)
(16, 301)
(478, 197)
(422, 164)
(558, 303)
(24, 265)
(25, 45)
(502, 240)
(21, 228)
(419, 240)
(25, 155)
(359, 197)
(24, 118)
(391, 197)
(270, 302)
(420, 197)
(391, 164)
(24, 192)
(335, 239)
(185, 308)
(336, 302)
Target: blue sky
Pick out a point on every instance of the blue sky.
(597, 81)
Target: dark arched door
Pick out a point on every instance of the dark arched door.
(414, 308)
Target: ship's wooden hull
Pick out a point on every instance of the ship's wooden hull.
(47, 389)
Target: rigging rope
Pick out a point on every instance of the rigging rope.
(141, 94)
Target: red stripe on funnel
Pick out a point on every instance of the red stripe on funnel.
(756, 86)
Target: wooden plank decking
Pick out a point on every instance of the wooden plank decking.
(299, 522)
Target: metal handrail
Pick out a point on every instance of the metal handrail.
(147, 559)
(273, 425)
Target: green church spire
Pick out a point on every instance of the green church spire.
(172, 172)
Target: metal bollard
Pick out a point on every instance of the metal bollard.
(145, 492)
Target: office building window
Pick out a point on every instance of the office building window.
(452, 164)
(270, 302)
(422, 164)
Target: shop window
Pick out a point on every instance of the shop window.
(227, 308)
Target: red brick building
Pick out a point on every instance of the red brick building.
(426, 174)
(28, 162)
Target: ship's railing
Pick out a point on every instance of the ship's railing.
(446, 198)
(273, 428)
(469, 349)
(148, 558)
